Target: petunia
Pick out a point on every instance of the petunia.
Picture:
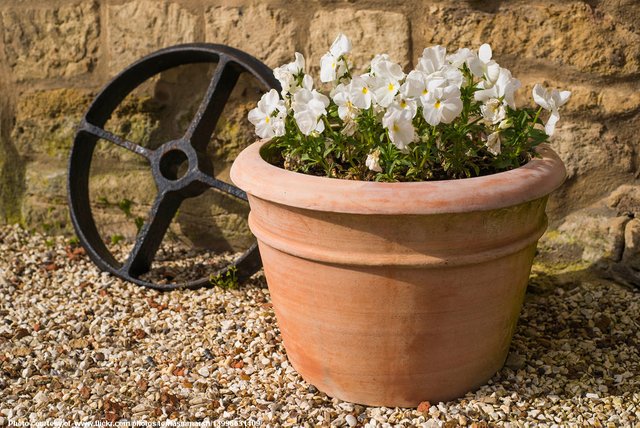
(400, 127)
(268, 116)
(441, 105)
(550, 101)
(332, 64)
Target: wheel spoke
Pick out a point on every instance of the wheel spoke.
(204, 122)
(152, 233)
(106, 135)
(222, 186)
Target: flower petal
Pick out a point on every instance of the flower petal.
(541, 96)
(550, 127)
(484, 53)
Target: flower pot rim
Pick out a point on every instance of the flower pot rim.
(536, 179)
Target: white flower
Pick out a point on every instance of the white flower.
(493, 143)
(400, 127)
(332, 64)
(462, 56)
(309, 106)
(384, 79)
(286, 73)
(503, 89)
(441, 104)
(551, 101)
(342, 96)
(433, 63)
(432, 59)
(401, 103)
(493, 111)
(373, 161)
(384, 91)
(268, 116)
(483, 66)
(361, 94)
(383, 67)
(507, 123)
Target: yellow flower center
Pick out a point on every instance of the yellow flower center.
(365, 90)
(403, 104)
(437, 104)
(396, 128)
(425, 92)
(267, 119)
(390, 87)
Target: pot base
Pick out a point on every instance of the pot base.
(395, 337)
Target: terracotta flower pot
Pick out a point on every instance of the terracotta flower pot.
(395, 293)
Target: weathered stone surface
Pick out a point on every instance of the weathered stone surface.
(45, 122)
(50, 42)
(139, 27)
(631, 254)
(11, 171)
(572, 34)
(44, 205)
(371, 32)
(604, 236)
(598, 159)
(259, 30)
(624, 12)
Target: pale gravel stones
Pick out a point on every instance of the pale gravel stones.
(363, 29)
(137, 28)
(81, 345)
(262, 31)
(50, 42)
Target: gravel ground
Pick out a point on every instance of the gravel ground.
(80, 345)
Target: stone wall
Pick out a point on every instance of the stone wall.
(55, 56)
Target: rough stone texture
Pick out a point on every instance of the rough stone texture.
(137, 28)
(605, 236)
(371, 32)
(631, 254)
(259, 30)
(51, 42)
(570, 34)
(11, 171)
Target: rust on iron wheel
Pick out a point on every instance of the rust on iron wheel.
(164, 160)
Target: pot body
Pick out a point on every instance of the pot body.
(393, 308)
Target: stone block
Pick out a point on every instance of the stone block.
(266, 33)
(45, 122)
(569, 34)
(371, 32)
(137, 28)
(50, 41)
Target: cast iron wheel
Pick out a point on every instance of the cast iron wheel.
(164, 161)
